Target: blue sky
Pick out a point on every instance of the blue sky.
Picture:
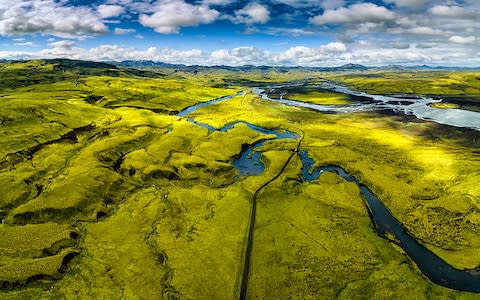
(230, 32)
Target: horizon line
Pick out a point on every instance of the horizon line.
(406, 65)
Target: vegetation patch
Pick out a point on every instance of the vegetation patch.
(105, 193)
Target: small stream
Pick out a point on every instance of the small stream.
(249, 163)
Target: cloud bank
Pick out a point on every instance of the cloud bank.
(313, 32)
(332, 54)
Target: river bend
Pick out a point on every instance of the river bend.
(249, 163)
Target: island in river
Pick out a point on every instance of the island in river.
(153, 184)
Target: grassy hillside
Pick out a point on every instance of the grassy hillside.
(105, 193)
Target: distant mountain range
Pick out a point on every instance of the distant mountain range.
(145, 64)
(150, 63)
(345, 68)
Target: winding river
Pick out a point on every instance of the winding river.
(249, 164)
(193, 108)
(418, 107)
(432, 266)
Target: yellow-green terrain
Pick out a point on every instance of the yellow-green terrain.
(105, 193)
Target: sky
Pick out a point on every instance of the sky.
(252, 32)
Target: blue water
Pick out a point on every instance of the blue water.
(249, 163)
(419, 107)
(432, 266)
(193, 108)
(437, 270)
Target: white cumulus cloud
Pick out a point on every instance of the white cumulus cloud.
(332, 54)
(452, 11)
(306, 56)
(239, 56)
(170, 15)
(356, 13)
(467, 40)
(108, 11)
(424, 30)
(252, 13)
(48, 17)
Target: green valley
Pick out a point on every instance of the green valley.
(125, 183)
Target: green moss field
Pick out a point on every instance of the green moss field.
(107, 193)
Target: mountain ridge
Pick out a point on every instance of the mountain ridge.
(65, 62)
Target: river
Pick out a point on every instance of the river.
(249, 163)
(418, 107)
